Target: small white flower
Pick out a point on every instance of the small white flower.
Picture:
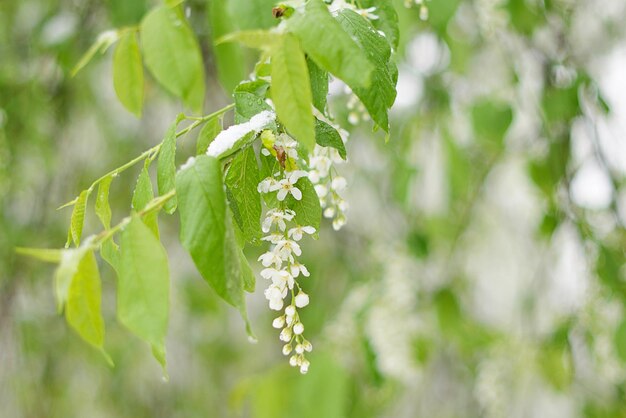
(339, 222)
(276, 304)
(275, 296)
(287, 349)
(368, 13)
(279, 278)
(335, 157)
(338, 5)
(339, 183)
(307, 345)
(279, 322)
(269, 258)
(299, 349)
(304, 366)
(314, 176)
(285, 247)
(285, 141)
(287, 185)
(321, 190)
(266, 185)
(296, 233)
(296, 268)
(322, 164)
(302, 299)
(273, 238)
(293, 360)
(290, 311)
(275, 216)
(329, 212)
(298, 328)
(285, 335)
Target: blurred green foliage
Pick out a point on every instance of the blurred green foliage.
(58, 133)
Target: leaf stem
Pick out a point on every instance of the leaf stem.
(153, 205)
(152, 151)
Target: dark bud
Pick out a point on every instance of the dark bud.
(281, 156)
(282, 10)
(278, 12)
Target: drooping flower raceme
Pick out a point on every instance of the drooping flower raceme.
(283, 233)
(329, 186)
(357, 112)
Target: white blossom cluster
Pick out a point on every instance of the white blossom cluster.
(282, 268)
(338, 5)
(418, 3)
(384, 313)
(357, 112)
(328, 185)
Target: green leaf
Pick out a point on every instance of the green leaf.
(142, 195)
(387, 19)
(128, 73)
(261, 69)
(103, 42)
(236, 219)
(524, 17)
(379, 96)
(206, 230)
(556, 365)
(249, 281)
(250, 99)
(83, 303)
(228, 57)
(173, 3)
(308, 209)
(491, 120)
(620, 341)
(110, 252)
(247, 105)
(291, 90)
(325, 41)
(208, 133)
(143, 286)
(102, 207)
(609, 264)
(166, 166)
(440, 13)
(78, 219)
(242, 180)
(253, 14)
(449, 313)
(327, 136)
(65, 272)
(560, 104)
(172, 55)
(42, 254)
(257, 87)
(258, 39)
(319, 85)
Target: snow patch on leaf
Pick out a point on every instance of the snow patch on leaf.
(190, 162)
(227, 139)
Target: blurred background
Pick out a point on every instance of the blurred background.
(481, 272)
